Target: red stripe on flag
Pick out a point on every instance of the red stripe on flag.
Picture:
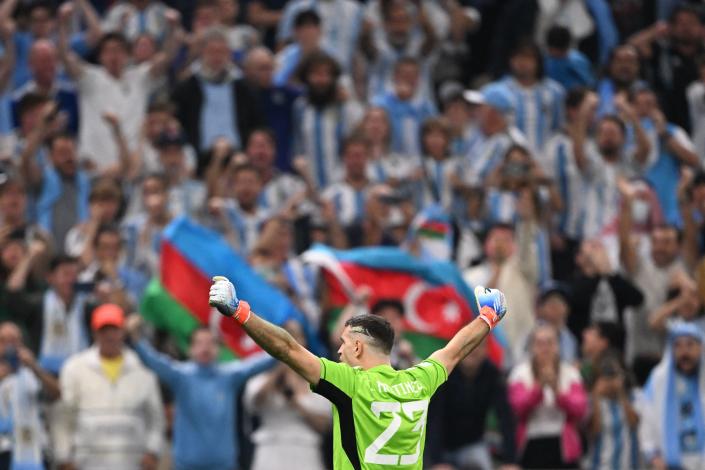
(438, 227)
(186, 283)
(189, 286)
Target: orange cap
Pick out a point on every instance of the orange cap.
(107, 315)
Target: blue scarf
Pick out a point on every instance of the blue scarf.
(51, 192)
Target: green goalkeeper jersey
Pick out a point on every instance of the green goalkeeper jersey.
(379, 414)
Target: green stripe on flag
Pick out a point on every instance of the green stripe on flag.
(424, 345)
(166, 313)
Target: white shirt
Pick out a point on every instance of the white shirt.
(283, 435)
(100, 92)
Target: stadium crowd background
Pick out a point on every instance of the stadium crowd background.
(556, 145)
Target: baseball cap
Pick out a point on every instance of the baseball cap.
(496, 96)
(107, 315)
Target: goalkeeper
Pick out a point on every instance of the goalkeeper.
(379, 413)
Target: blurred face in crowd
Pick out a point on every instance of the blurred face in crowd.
(144, 48)
(459, 113)
(261, 151)
(215, 56)
(13, 203)
(499, 245)
(686, 28)
(228, 11)
(612, 376)
(63, 278)
(375, 126)
(686, 354)
(645, 102)
(114, 57)
(63, 155)
(593, 343)
(154, 197)
(204, 17)
(308, 36)
(395, 319)
(172, 159)
(12, 253)
(29, 118)
(553, 309)
(610, 139)
(544, 345)
(284, 239)
(259, 67)
(490, 120)
(110, 340)
(10, 336)
(665, 246)
(398, 23)
(321, 84)
(42, 62)
(691, 305)
(41, 22)
(624, 67)
(107, 246)
(406, 80)
(355, 161)
(524, 66)
(107, 208)
(204, 347)
(156, 123)
(247, 187)
(435, 142)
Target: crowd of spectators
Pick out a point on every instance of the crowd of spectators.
(561, 141)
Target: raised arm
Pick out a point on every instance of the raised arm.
(492, 307)
(7, 66)
(94, 29)
(627, 252)
(160, 62)
(273, 339)
(72, 63)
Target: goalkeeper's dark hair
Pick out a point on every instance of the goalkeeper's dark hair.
(376, 328)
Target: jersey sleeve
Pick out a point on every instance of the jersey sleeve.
(336, 377)
(431, 373)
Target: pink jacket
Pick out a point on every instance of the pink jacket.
(525, 395)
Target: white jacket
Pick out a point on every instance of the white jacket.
(105, 425)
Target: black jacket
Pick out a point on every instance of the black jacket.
(459, 410)
(188, 98)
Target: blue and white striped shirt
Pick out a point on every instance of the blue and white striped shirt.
(246, 227)
(559, 163)
(616, 446)
(319, 135)
(349, 202)
(486, 152)
(538, 110)
(406, 118)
